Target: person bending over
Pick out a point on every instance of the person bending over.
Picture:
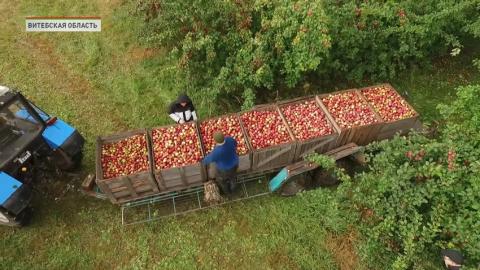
(225, 157)
(182, 110)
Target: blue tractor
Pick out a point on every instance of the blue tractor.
(29, 137)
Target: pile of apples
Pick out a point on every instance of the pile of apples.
(349, 110)
(229, 126)
(125, 157)
(265, 128)
(306, 120)
(388, 103)
(175, 146)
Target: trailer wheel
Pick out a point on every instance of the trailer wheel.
(324, 178)
(65, 162)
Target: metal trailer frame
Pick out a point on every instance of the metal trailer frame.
(149, 206)
(195, 197)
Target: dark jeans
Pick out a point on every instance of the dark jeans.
(227, 180)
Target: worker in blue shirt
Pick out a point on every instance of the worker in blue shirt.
(226, 160)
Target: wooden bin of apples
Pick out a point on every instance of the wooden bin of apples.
(397, 114)
(356, 118)
(123, 168)
(229, 125)
(177, 155)
(268, 135)
(311, 125)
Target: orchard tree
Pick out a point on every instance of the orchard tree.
(236, 48)
(421, 194)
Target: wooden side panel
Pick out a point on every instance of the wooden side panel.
(401, 127)
(318, 145)
(273, 157)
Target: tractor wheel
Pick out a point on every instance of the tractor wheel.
(21, 220)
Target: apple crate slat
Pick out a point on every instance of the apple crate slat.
(244, 161)
(318, 144)
(361, 135)
(129, 187)
(178, 178)
(272, 157)
(400, 126)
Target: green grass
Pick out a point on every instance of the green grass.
(106, 82)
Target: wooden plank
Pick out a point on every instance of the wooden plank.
(182, 176)
(318, 145)
(107, 191)
(129, 186)
(88, 182)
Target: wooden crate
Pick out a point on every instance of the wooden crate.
(130, 187)
(402, 126)
(272, 157)
(178, 178)
(244, 161)
(317, 144)
(361, 135)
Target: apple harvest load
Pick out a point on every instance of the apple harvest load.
(230, 126)
(265, 128)
(306, 120)
(125, 157)
(388, 103)
(175, 146)
(349, 109)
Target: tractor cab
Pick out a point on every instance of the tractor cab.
(29, 136)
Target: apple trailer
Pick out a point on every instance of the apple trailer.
(277, 138)
(28, 138)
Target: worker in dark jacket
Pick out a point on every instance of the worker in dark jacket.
(226, 160)
(452, 258)
(182, 110)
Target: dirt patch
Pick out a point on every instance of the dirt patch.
(279, 259)
(139, 54)
(342, 248)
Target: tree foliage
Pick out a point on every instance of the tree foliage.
(230, 47)
(422, 194)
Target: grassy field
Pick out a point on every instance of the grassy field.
(107, 82)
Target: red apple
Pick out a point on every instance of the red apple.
(229, 126)
(125, 157)
(265, 128)
(306, 120)
(388, 103)
(349, 110)
(175, 146)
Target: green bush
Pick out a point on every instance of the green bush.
(226, 48)
(422, 194)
